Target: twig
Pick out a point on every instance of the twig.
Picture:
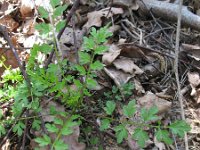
(25, 131)
(180, 96)
(73, 9)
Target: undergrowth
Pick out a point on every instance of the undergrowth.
(71, 90)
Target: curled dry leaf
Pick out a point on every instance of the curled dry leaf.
(151, 99)
(94, 18)
(111, 55)
(126, 4)
(127, 66)
(26, 8)
(118, 76)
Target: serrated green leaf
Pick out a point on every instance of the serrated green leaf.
(43, 28)
(51, 128)
(60, 145)
(179, 127)
(19, 127)
(110, 107)
(149, 114)
(163, 135)
(97, 65)
(58, 121)
(43, 141)
(60, 25)
(121, 133)
(45, 48)
(43, 12)
(84, 58)
(80, 69)
(59, 10)
(88, 43)
(141, 137)
(100, 49)
(91, 83)
(54, 3)
(2, 130)
(105, 124)
(129, 110)
(36, 124)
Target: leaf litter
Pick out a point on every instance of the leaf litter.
(130, 57)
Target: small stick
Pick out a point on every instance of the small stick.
(180, 96)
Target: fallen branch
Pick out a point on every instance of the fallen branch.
(169, 11)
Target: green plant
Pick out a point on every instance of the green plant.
(148, 120)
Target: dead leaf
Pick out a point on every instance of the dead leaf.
(118, 76)
(127, 66)
(29, 27)
(192, 51)
(150, 99)
(26, 8)
(9, 22)
(111, 55)
(138, 87)
(159, 145)
(126, 4)
(194, 79)
(94, 18)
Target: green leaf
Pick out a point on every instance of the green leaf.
(179, 127)
(149, 114)
(36, 124)
(105, 124)
(43, 28)
(110, 107)
(43, 141)
(81, 69)
(91, 83)
(129, 110)
(100, 49)
(60, 145)
(163, 135)
(1, 113)
(2, 130)
(58, 121)
(84, 58)
(51, 128)
(54, 3)
(45, 48)
(141, 137)
(60, 25)
(121, 133)
(97, 65)
(43, 12)
(19, 127)
(59, 10)
(88, 43)
(101, 35)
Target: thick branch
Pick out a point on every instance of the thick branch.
(169, 11)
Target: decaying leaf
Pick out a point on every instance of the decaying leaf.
(29, 27)
(138, 87)
(126, 4)
(194, 79)
(111, 55)
(150, 99)
(118, 76)
(127, 66)
(94, 18)
(192, 51)
(9, 22)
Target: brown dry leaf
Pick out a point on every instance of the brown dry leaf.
(192, 50)
(26, 8)
(94, 18)
(111, 55)
(9, 22)
(138, 87)
(118, 76)
(159, 145)
(151, 99)
(126, 4)
(127, 66)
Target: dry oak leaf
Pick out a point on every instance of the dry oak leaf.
(150, 99)
(111, 55)
(9, 22)
(94, 18)
(127, 66)
(26, 8)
